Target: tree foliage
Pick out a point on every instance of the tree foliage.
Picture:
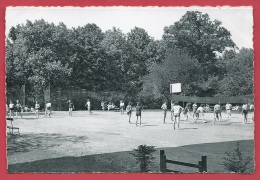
(41, 54)
(199, 37)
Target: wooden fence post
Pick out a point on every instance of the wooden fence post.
(203, 164)
(164, 163)
(161, 160)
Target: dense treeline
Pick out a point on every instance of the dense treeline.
(39, 54)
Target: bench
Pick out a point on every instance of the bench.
(11, 127)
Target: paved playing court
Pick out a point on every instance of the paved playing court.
(105, 132)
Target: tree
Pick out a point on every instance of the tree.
(32, 60)
(178, 67)
(200, 38)
(238, 79)
(138, 40)
(88, 57)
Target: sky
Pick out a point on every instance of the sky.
(237, 20)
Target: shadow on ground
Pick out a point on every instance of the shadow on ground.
(125, 162)
(42, 141)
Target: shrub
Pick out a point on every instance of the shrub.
(144, 157)
(235, 162)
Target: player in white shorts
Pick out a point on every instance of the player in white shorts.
(200, 113)
(228, 109)
(176, 110)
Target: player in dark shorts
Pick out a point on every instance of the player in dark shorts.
(122, 105)
(129, 110)
(138, 113)
(217, 113)
(18, 109)
(37, 108)
(245, 112)
(252, 108)
(194, 110)
(185, 111)
(71, 106)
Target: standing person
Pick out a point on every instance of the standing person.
(245, 112)
(200, 113)
(138, 113)
(217, 113)
(109, 106)
(11, 109)
(18, 109)
(7, 109)
(176, 110)
(164, 107)
(48, 108)
(185, 111)
(228, 109)
(252, 108)
(129, 110)
(71, 106)
(89, 106)
(194, 109)
(121, 105)
(103, 105)
(37, 107)
(188, 105)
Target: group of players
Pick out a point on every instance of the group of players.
(194, 110)
(12, 110)
(198, 112)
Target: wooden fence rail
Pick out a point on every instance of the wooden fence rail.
(202, 165)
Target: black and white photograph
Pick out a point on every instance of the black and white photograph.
(129, 89)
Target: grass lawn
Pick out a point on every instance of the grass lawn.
(125, 162)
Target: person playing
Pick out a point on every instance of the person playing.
(200, 113)
(109, 106)
(138, 113)
(11, 109)
(245, 112)
(103, 105)
(251, 108)
(89, 106)
(164, 107)
(217, 113)
(228, 109)
(48, 108)
(129, 110)
(194, 109)
(176, 110)
(71, 106)
(18, 109)
(188, 105)
(122, 105)
(185, 111)
(37, 107)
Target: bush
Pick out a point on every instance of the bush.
(144, 157)
(235, 162)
